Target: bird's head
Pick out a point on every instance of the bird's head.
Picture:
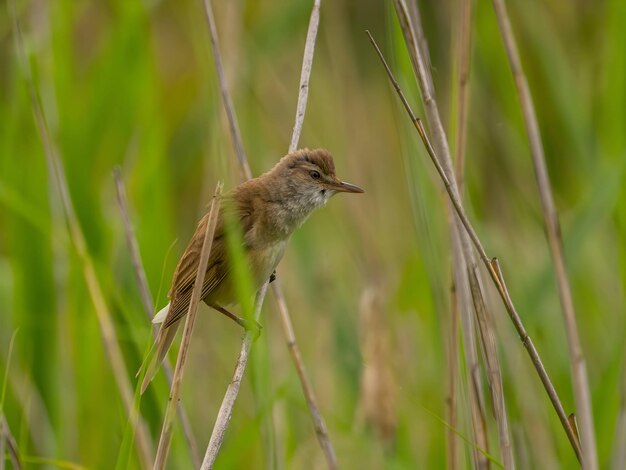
(310, 175)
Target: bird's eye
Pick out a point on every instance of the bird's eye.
(315, 174)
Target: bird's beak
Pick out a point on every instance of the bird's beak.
(342, 186)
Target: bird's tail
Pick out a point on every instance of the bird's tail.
(164, 341)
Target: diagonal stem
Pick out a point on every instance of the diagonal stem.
(166, 430)
(492, 264)
(146, 299)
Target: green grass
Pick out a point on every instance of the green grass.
(132, 84)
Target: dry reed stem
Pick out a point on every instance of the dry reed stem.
(7, 439)
(196, 293)
(553, 232)
(465, 51)
(320, 426)
(494, 373)
(618, 459)
(228, 102)
(228, 402)
(464, 55)
(3, 439)
(462, 253)
(318, 421)
(452, 448)
(491, 264)
(305, 74)
(475, 391)
(484, 321)
(105, 322)
(133, 246)
(146, 298)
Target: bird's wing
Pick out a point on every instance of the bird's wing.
(217, 266)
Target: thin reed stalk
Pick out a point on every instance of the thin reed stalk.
(320, 426)
(2, 443)
(494, 372)
(105, 322)
(233, 124)
(580, 380)
(491, 264)
(166, 430)
(618, 458)
(472, 366)
(462, 253)
(464, 54)
(464, 45)
(146, 298)
(7, 440)
(452, 447)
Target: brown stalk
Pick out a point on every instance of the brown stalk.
(107, 330)
(462, 253)
(465, 51)
(233, 124)
(133, 246)
(318, 421)
(553, 232)
(618, 459)
(494, 373)
(475, 390)
(491, 264)
(146, 299)
(485, 323)
(464, 54)
(166, 431)
(452, 448)
(3, 440)
(6, 438)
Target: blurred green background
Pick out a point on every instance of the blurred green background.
(367, 279)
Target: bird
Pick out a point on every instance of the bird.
(268, 209)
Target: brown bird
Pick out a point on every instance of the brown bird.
(268, 208)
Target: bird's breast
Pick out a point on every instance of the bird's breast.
(264, 259)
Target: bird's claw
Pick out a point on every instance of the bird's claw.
(273, 276)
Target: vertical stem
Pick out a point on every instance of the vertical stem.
(318, 421)
(2, 442)
(464, 54)
(462, 253)
(555, 242)
(472, 366)
(494, 373)
(452, 448)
